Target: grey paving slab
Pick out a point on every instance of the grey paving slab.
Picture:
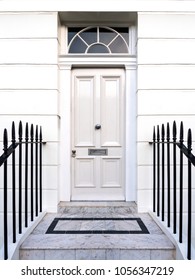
(154, 245)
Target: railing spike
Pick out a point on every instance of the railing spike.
(154, 134)
(5, 140)
(26, 132)
(13, 133)
(36, 132)
(158, 132)
(40, 134)
(20, 130)
(189, 140)
(168, 132)
(32, 131)
(181, 132)
(174, 130)
(163, 132)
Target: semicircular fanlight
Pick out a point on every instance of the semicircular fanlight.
(98, 40)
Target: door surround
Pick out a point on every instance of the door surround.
(66, 64)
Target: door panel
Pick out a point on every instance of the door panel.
(111, 173)
(97, 134)
(110, 111)
(85, 173)
(84, 111)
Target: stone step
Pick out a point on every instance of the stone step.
(104, 231)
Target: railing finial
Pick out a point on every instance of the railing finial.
(174, 130)
(13, 133)
(36, 133)
(154, 134)
(168, 132)
(189, 140)
(40, 134)
(32, 131)
(158, 133)
(163, 132)
(20, 130)
(181, 132)
(26, 132)
(5, 140)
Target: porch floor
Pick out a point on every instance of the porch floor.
(103, 230)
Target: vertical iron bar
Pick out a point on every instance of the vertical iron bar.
(158, 171)
(189, 145)
(13, 184)
(5, 146)
(36, 171)
(163, 173)
(181, 186)
(174, 179)
(26, 175)
(168, 177)
(40, 170)
(154, 170)
(20, 178)
(32, 173)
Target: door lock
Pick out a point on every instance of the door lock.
(97, 126)
(73, 153)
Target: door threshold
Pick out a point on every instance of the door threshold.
(91, 203)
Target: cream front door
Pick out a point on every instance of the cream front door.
(98, 134)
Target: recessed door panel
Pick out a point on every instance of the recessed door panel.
(84, 111)
(85, 173)
(98, 134)
(110, 111)
(111, 173)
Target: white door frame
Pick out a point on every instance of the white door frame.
(66, 64)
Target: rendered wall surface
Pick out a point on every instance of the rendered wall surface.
(165, 89)
(29, 88)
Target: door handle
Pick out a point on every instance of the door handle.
(97, 126)
(73, 153)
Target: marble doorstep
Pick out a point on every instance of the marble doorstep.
(39, 245)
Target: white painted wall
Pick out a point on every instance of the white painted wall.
(29, 86)
(166, 86)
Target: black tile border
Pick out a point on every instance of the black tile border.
(51, 228)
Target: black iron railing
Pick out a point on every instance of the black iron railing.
(165, 154)
(32, 169)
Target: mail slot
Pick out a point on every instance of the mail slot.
(97, 152)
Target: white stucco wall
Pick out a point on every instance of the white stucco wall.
(165, 89)
(29, 87)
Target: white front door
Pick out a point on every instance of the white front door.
(98, 134)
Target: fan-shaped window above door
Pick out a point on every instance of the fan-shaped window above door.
(98, 40)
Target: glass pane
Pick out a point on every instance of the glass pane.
(90, 35)
(72, 32)
(106, 35)
(118, 46)
(98, 48)
(124, 31)
(77, 46)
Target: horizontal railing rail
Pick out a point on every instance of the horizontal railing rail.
(31, 148)
(166, 144)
